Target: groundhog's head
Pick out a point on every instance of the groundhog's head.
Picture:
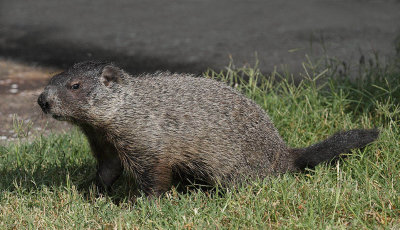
(81, 91)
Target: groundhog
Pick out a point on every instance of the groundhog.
(165, 127)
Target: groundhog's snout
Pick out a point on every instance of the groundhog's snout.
(43, 103)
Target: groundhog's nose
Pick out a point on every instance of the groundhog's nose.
(43, 103)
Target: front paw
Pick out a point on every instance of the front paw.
(101, 189)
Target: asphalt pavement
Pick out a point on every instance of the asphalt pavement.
(192, 35)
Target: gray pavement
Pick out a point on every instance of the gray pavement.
(191, 35)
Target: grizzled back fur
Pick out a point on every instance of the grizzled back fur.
(163, 127)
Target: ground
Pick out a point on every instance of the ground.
(190, 36)
(20, 85)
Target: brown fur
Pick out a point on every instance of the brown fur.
(164, 126)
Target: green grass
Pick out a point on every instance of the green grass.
(48, 183)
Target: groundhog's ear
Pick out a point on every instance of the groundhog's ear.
(110, 75)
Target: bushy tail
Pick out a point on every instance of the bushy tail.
(330, 148)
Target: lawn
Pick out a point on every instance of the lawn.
(47, 183)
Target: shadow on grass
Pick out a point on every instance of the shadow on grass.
(25, 180)
(34, 176)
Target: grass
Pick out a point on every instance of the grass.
(48, 183)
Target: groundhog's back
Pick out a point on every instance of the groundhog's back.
(199, 124)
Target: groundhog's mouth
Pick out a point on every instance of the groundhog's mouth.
(57, 117)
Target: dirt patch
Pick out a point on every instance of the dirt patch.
(20, 116)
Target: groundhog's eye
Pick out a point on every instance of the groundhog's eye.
(75, 86)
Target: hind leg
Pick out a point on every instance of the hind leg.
(157, 180)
